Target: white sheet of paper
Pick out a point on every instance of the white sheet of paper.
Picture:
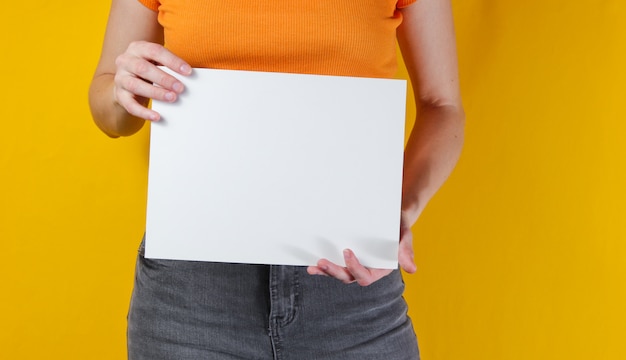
(274, 168)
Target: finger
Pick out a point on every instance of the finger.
(361, 274)
(406, 256)
(138, 68)
(138, 87)
(160, 55)
(333, 270)
(133, 107)
(315, 270)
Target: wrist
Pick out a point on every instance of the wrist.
(410, 211)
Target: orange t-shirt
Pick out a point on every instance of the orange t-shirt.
(327, 37)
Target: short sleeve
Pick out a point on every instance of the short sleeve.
(400, 4)
(152, 4)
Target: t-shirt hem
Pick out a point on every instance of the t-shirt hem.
(150, 4)
(404, 3)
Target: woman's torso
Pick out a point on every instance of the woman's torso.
(331, 37)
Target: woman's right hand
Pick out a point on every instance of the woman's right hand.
(138, 78)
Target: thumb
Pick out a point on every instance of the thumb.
(405, 251)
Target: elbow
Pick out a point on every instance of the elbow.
(449, 103)
(449, 109)
(110, 118)
(444, 120)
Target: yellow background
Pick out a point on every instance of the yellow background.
(521, 255)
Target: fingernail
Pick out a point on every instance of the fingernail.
(154, 117)
(185, 69)
(347, 254)
(178, 87)
(324, 267)
(170, 96)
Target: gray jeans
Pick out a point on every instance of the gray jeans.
(200, 310)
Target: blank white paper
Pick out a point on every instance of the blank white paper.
(274, 168)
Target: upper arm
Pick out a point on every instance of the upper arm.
(129, 21)
(427, 41)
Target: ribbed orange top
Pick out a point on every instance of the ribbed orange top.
(328, 37)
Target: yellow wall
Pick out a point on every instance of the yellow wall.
(521, 255)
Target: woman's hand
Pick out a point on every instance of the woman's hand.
(138, 79)
(127, 75)
(355, 272)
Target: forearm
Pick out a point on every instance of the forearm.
(431, 154)
(108, 115)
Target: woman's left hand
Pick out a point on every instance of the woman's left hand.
(355, 272)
